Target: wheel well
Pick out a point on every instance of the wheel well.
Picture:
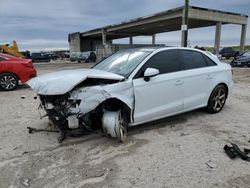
(114, 104)
(10, 73)
(225, 85)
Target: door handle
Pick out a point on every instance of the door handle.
(179, 82)
(209, 76)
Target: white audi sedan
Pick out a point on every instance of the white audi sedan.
(132, 87)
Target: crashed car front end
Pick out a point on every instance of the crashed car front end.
(81, 105)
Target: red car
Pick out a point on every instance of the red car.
(13, 70)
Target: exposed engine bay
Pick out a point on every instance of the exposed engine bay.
(93, 104)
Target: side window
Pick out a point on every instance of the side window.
(2, 59)
(193, 59)
(209, 61)
(165, 61)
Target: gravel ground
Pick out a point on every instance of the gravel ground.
(181, 151)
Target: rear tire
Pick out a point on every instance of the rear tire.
(217, 99)
(8, 81)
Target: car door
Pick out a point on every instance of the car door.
(2, 60)
(198, 77)
(161, 96)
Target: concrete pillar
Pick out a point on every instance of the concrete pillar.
(130, 40)
(153, 39)
(183, 29)
(243, 37)
(184, 26)
(104, 36)
(217, 38)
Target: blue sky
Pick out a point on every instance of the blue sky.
(45, 24)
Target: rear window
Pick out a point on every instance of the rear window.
(209, 61)
(2, 59)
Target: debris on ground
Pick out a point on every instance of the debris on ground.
(25, 181)
(23, 97)
(32, 129)
(211, 164)
(235, 151)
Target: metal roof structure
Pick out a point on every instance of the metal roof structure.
(166, 21)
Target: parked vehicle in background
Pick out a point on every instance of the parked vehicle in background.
(228, 52)
(39, 57)
(132, 87)
(83, 56)
(87, 57)
(74, 56)
(13, 70)
(52, 56)
(242, 60)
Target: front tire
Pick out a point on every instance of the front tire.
(114, 124)
(217, 99)
(8, 81)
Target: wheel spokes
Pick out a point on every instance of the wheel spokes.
(8, 82)
(219, 100)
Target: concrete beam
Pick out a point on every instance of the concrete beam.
(153, 39)
(217, 38)
(216, 16)
(243, 37)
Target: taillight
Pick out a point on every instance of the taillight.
(28, 63)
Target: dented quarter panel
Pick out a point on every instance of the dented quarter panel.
(61, 82)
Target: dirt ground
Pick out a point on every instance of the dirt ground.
(181, 151)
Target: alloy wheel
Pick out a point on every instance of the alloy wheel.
(219, 99)
(8, 82)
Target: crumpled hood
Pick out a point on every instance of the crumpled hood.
(61, 82)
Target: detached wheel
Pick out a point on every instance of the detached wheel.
(217, 99)
(8, 81)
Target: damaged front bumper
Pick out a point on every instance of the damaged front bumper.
(83, 108)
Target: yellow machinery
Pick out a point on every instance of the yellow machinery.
(11, 49)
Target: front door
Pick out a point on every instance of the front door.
(162, 95)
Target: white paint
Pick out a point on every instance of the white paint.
(61, 82)
(162, 96)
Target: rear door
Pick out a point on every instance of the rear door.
(162, 95)
(199, 73)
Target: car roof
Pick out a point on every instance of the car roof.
(160, 48)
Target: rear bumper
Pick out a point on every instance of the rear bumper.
(28, 74)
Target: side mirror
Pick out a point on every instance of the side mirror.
(150, 72)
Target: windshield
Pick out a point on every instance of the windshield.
(123, 62)
(246, 54)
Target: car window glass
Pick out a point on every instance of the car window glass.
(2, 59)
(193, 59)
(209, 61)
(123, 62)
(165, 61)
(246, 54)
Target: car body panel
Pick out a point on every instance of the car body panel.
(61, 82)
(22, 68)
(92, 96)
(160, 96)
